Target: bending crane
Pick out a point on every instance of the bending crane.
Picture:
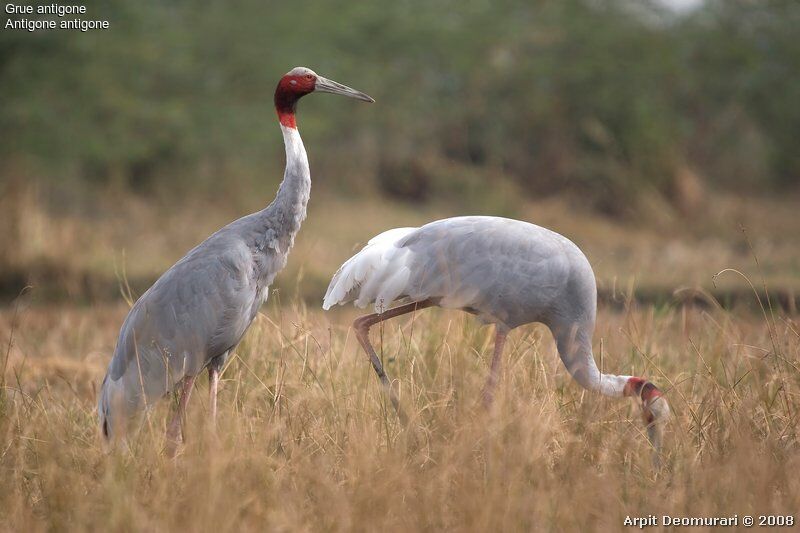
(507, 273)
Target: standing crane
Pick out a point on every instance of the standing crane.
(507, 273)
(200, 308)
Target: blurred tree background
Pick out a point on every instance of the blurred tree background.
(622, 106)
(604, 98)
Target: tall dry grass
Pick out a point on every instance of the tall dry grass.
(306, 440)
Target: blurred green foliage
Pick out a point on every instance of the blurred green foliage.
(604, 98)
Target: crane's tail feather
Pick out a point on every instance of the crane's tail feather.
(367, 277)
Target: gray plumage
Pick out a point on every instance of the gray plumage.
(506, 272)
(200, 308)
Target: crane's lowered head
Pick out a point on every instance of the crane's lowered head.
(655, 411)
(301, 81)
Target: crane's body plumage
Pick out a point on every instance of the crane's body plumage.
(200, 308)
(506, 272)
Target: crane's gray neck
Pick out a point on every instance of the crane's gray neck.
(574, 342)
(287, 212)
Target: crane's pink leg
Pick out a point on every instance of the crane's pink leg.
(175, 427)
(494, 371)
(213, 386)
(362, 325)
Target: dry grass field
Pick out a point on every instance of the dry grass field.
(81, 254)
(660, 136)
(306, 440)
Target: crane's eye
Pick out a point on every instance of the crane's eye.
(309, 76)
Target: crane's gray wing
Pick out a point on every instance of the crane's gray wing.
(504, 270)
(199, 309)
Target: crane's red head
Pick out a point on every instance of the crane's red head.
(648, 394)
(301, 81)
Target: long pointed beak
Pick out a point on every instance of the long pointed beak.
(325, 85)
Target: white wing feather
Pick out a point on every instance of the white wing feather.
(377, 273)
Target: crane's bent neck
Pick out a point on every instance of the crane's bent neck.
(574, 342)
